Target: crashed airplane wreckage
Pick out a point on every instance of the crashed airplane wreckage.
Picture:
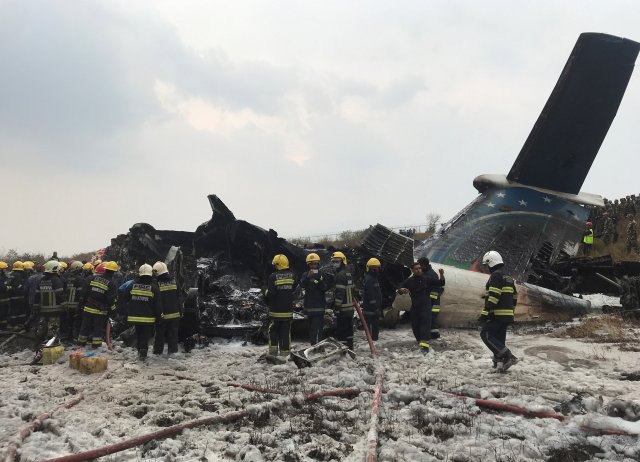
(534, 217)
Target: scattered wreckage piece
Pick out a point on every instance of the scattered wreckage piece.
(328, 350)
(464, 293)
(392, 247)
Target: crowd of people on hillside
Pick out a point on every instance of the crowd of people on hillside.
(605, 221)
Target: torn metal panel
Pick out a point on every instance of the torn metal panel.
(388, 245)
(566, 138)
(323, 352)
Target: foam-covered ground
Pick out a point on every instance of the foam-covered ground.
(419, 420)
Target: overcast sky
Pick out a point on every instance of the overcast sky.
(302, 116)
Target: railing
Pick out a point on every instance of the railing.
(412, 229)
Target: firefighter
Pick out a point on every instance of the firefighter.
(315, 285)
(4, 297)
(419, 286)
(18, 306)
(169, 325)
(372, 302)
(99, 299)
(33, 280)
(434, 295)
(343, 298)
(49, 304)
(499, 306)
(279, 295)
(144, 307)
(74, 289)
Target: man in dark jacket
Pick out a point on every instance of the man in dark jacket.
(144, 308)
(372, 302)
(434, 295)
(4, 297)
(74, 289)
(314, 284)
(279, 295)
(49, 304)
(18, 303)
(100, 296)
(498, 313)
(168, 327)
(419, 287)
(343, 298)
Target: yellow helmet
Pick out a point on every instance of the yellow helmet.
(28, 265)
(111, 266)
(339, 255)
(97, 262)
(280, 262)
(87, 266)
(63, 265)
(17, 266)
(312, 258)
(3, 265)
(76, 265)
(373, 262)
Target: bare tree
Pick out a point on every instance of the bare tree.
(432, 221)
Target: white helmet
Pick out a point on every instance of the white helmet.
(145, 270)
(51, 267)
(160, 268)
(492, 258)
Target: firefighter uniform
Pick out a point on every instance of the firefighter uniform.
(420, 287)
(167, 328)
(372, 303)
(144, 308)
(75, 293)
(48, 306)
(100, 296)
(4, 297)
(314, 284)
(18, 306)
(434, 296)
(280, 287)
(343, 304)
(498, 313)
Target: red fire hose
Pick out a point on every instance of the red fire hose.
(372, 436)
(177, 429)
(34, 425)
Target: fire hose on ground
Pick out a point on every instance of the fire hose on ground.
(24, 432)
(177, 429)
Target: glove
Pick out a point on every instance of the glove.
(483, 318)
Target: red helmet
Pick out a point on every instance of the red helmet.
(589, 224)
(100, 269)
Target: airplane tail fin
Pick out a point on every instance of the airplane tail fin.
(565, 139)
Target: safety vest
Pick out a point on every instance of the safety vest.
(588, 238)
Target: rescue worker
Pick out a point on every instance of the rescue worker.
(144, 308)
(434, 295)
(87, 270)
(74, 289)
(169, 325)
(498, 313)
(587, 239)
(18, 306)
(315, 285)
(343, 298)
(372, 301)
(188, 332)
(33, 279)
(279, 295)
(62, 269)
(99, 299)
(419, 286)
(49, 304)
(4, 296)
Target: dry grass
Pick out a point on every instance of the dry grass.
(602, 329)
